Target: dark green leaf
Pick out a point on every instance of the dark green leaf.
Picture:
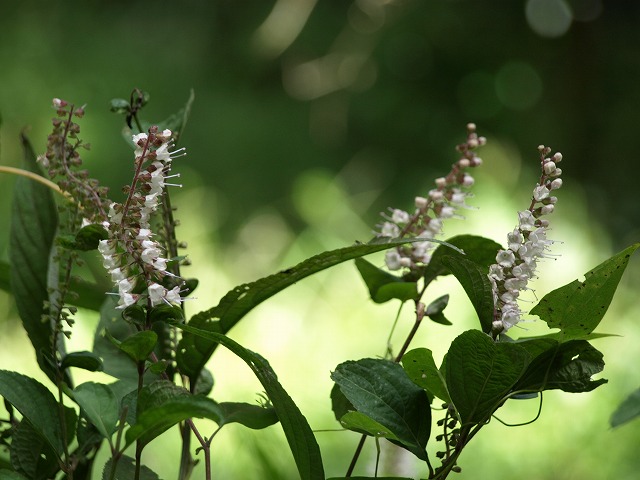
(31, 454)
(34, 219)
(481, 251)
(126, 469)
(251, 416)
(204, 385)
(480, 373)
(88, 237)
(100, 406)
(476, 284)
(627, 410)
(381, 390)
(153, 421)
(301, 441)
(36, 403)
(435, 309)
(422, 370)
(384, 286)
(566, 366)
(166, 313)
(193, 351)
(340, 404)
(5, 276)
(577, 308)
(85, 360)
(10, 475)
(139, 345)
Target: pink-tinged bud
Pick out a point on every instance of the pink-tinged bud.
(464, 163)
(549, 167)
(557, 157)
(471, 127)
(441, 182)
(468, 181)
(472, 142)
(556, 184)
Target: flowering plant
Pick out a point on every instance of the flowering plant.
(157, 356)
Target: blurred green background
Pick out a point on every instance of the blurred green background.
(313, 116)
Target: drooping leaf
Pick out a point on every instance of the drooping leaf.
(31, 454)
(578, 307)
(84, 360)
(126, 469)
(627, 410)
(384, 286)
(480, 373)
(361, 423)
(476, 284)
(100, 406)
(193, 351)
(34, 220)
(381, 390)
(422, 370)
(435, 309)
(566, 366)
(36, 403)
(481, 251)
(302, 442)
(251, 416)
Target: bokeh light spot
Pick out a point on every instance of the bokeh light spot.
(549, 18)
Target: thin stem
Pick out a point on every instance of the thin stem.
(205, 448)
(32, 176)
(393, 328)
(356, 454)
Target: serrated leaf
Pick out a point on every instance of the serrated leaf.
(126, 470)
(139, 345)
(381, 390)
(100, 406)
(384, 286)
(34, 220)
(476, 284)
(193, 352)
(84, 360)
(566, 366)
(251, 416)
(422, 370)
(481, 251)
(480, 373)
(31, 454)
(36, 403)
(627, 410)
(302, 442)
(578, 307)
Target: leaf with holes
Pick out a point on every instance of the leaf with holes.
(422, 370)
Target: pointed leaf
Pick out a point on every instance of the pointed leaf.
(381, 390)
(627, 410)
(476, 284)
(361, 423)
(435, 309)
(301, 440)
(100, 406)
(194, 351)
(251, 416)
(480, 373)
(139, 345)
(384, 286)
(566, 366)
(85, 360)
(578, 307)
(422, 370)
(34, 220)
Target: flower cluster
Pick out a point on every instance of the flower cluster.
(527, 243)
(130, 253)
(441, 203)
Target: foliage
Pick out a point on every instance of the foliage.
(158, 356)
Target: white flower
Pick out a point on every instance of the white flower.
(399, 216)
(392, 259)
(390, 230)
(156, 293)
(515, 239)
(505, 258)
(540, 193)
(173, 295)
(526, 221)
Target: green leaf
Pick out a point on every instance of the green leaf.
(85, 360)
(627, 410)
(340, 404)
(251, 416)
(301, 440)
(126, 470)
(178, 121)
(89, 236)
(119, 105)
(155, 420)
(369, 478)
(481, 251)
(34, 220)
(476, 284)
(381, 390)
(10, 475)
(435, 309)
(566, 366)
(361, 423)
(36, 403)
(166, 313)
(193, 351)
(100, 406)
(5, 276)
(578, 307)
(422, 370)
(31, 454)
(139, 345)
(480, 373)
(384, 286)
